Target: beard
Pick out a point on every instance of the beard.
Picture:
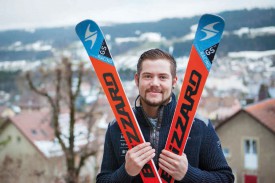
(155, 104)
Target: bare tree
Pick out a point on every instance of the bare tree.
(65, 88)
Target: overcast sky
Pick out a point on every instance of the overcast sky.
(25, 14)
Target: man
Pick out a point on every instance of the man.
(202, 160)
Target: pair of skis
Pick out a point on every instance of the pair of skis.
(203, 50)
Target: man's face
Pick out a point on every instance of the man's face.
(155, 82)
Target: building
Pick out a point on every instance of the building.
(248, 140)
(21, 159)
(29, 151)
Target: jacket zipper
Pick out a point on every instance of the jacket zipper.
(154, 131)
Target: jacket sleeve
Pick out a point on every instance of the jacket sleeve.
(212, 163)
(111, 172)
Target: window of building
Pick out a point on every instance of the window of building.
(250, 154)
(18, 139)
(34, 132)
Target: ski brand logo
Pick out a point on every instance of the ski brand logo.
(124, 115)
(210, 31)
(90, 36)
(186, 107)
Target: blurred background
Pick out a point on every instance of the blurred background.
(53, 114)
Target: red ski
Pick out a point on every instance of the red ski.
(204, 47)
(96, 47)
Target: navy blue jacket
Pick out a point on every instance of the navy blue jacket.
(206, 162)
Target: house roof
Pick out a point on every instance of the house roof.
(213, 103)
(219, 108)
(264, 112)
(28, 120)
(35, 125)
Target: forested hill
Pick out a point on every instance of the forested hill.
(257, 26)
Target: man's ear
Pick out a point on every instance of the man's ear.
(137, 79)
(174, 81)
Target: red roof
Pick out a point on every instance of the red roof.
(264, 112)
(35, 125)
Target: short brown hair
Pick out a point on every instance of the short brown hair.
(154, 54)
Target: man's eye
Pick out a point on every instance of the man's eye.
(163, 77)
(147, 76)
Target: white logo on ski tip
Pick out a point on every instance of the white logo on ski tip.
(210, 31)
(90, 36)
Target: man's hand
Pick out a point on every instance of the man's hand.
(137, 157)
(173, 164)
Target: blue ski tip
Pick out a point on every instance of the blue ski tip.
(209, 31)
(93, 40)
(208, 36)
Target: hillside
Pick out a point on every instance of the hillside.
(244, 61)
(39, 44)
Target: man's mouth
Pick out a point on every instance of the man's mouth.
(153, 91)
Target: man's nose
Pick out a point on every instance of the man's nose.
(155, 81)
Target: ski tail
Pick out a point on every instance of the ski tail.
(94, 42)
(207, 38)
